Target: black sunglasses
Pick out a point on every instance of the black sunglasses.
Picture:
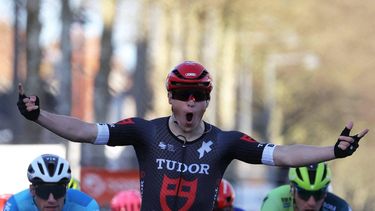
(43, 191)
(305, 194)
(188, 94)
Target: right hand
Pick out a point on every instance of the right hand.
(28, 106)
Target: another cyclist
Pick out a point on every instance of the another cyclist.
(181, 157)
(49, 176)
(307, 191)
(74, 184)
(126, 200)
(225, 197)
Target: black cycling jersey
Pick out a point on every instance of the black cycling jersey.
(178, 175)
(334, 203)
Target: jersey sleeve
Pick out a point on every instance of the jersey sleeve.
(247, 149)
(125, 132)
(11, 204)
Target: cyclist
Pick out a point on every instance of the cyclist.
(74, 184)
(181, 157)
(126, 200)
(225, 197)
(307, 191)
(49, 176)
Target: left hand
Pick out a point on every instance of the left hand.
(346, 145)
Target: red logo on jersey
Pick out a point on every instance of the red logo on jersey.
(126, 121)
(247, 138)
(172, 188)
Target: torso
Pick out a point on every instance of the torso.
(178, 175)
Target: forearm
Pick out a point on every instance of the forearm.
(68, 127)
(301, 155)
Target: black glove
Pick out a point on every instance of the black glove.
(30, 115)
(340, 153)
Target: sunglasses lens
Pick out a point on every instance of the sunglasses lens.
(43, 191)
(305, 195)
(185, 95)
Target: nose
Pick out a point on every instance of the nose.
(51, 197)
(311, 201)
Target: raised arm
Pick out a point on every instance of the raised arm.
(301, 155)
(67, 127)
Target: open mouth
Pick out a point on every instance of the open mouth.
(189, 117)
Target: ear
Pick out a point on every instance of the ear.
(32, 190)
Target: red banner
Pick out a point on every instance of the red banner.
(103, 184)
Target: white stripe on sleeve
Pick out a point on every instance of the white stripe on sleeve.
(103, 134)
(267, 156)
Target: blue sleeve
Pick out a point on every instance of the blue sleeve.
(11, 205)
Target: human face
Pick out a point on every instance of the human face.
(309, 200)
(49, 197)
(188, 107)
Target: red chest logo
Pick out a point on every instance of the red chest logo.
(177, 188)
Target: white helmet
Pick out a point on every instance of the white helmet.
(49, 168)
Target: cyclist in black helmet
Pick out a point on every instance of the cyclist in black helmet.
(307, 191)
(182, 158)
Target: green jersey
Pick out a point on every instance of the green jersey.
(281, 199)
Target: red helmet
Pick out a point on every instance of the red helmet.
(126, 200)
(225, 196)
(188, 75)
(3, 199)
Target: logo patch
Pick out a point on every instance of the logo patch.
(128, 121)
(206, 147)
(175, 189)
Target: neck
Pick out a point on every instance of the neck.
(185, 135)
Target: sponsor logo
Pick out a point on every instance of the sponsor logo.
(179, 187)
(206, 147)
(168, 147)
(128, 121)
(171, 165)
(190, 74)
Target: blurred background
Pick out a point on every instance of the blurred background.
(284, 72)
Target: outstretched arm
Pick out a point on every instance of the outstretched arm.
(67, 127)
(301, 155)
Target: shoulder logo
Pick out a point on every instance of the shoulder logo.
(247, 138)
(126, 121)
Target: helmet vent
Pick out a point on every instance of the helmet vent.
(175, 71)
(312, 175)
(30, 170)
(60, 168)
(41, 168)
(299, 174)
(51, 169)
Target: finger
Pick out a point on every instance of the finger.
(20, 89)
(346, 139)
(32, 108)
(363, 133)
(343, 145)
(347, 129)
(349, 125)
